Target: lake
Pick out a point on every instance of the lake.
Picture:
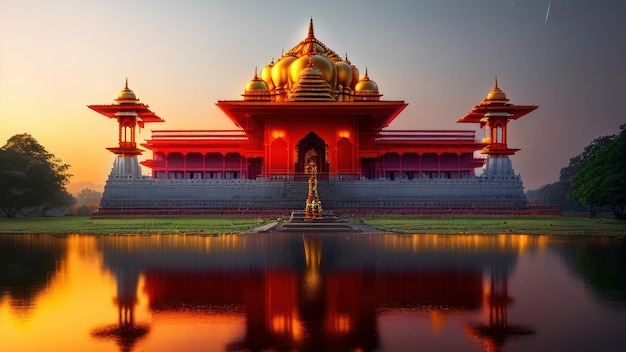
(312, 292)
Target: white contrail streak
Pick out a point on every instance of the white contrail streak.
(548, 13)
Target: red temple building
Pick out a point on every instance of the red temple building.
(311, 105)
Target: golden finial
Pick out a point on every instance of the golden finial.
(255, 73)
(126, 85)
(346, 60)
(496, 93)
(366, 76)
(311, 33)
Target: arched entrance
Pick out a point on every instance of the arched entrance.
(312, 146)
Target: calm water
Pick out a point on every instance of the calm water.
(313, 292)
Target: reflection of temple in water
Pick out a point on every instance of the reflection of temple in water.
(27, 270)
(493, 334)
(318, 292)
(126, 332)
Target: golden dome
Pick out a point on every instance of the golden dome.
(355, 76)
(496, 94)
(266, 74)
(344, 73)
(282, 75)
(256, 84)
(286, 71)
(280, 71)
(126, 95)
(256, 89)
(311, 85)
(321, 62)
(366, 85)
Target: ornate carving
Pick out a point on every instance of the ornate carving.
(313, 208)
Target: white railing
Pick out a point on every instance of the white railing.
(199, 135)
(426, 135)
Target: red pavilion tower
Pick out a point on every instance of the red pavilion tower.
(129, 113)
(494, 114)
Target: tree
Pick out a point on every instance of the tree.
(88, 201)
(31, 179)
(560, 192)
(88, 196)
(603, 180)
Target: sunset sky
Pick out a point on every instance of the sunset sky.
(440, 56)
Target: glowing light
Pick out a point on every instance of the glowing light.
(278, 134)
(343, 323)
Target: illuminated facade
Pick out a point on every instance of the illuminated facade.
(313, 105)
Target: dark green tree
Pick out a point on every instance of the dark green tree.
(603, 180)
(560, 192)
(31, 178)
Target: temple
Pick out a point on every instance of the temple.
(313, 106)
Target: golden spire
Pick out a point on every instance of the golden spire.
(496, 93)
(311, 33)
(126, 95)
(256, 89)
(312, 50)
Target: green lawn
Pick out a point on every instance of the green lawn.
(405, 224)
(135, 225)
(545, 225)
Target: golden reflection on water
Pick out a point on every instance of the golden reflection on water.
(71, 302)
(264, 292)
(421, 242)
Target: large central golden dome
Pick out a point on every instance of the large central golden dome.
(281, 76)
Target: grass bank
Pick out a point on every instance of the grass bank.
(135, 225)
(404, 224)
(541, 225)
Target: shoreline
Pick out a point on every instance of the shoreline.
(371, 224)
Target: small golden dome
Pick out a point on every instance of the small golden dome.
(256, 84)
(496, 94)
(256, 89)
(344, 73)
(366, 85)
(126, 95)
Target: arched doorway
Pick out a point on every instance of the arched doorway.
(312, 146)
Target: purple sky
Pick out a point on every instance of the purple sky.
(440, 56)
